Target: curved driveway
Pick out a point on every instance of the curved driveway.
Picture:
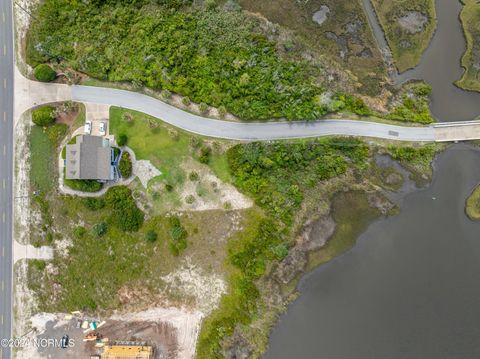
(246, 131)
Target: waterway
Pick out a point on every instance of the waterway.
(410, 287)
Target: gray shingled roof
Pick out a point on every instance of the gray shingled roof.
(89, 158)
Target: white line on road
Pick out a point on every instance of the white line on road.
(4, 150)
(3, 252)
(4, 116)
(3, 217)
(4, 184)
(3, 285)
(4, 50)
(4, 83)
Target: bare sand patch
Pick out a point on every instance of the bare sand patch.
(413, 22)
(192, 281)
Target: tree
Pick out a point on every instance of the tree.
(122, 139)
(43, 116)
(44, 73)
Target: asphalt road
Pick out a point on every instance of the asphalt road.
(6, 171)
(243, 130)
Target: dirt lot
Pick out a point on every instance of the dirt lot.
(169, 331)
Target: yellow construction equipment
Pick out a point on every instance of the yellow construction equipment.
(127, 352)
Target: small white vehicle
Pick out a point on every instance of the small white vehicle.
(103, 129)
(88, 127)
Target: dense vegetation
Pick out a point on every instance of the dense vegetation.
(470, 17)
(413, 105)
(212, 55)
(83, 185)
(276, 175)
(43, 116)
(44, 73)
(125, 213)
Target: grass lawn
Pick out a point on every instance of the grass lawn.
(165, 146)
(470, 17)
(43, 146)
(407, 46)
(151, 140)
(472, 207)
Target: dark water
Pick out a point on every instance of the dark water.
(440, 67)
(410, 289)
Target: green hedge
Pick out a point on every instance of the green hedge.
(125, 165)
(43, 116)
(83, 185)
(44, 73)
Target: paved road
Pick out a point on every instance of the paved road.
(246, 131)
(6, 168)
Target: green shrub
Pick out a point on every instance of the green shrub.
(345, 102)
(44, 73)
(178, 235)
(203, 107)
(43, 116)
(151, 236)
(125, 165)
(49, 237)
(166, 94)
(100, 229)
(83, 185)
(194, 176)
(122, 139)
(190, 199)
(205, 153)
(38, 264)
(186, 101)
(125, 213)
(79, 232)
(222, 111)
(93, 203)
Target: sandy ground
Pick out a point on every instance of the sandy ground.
(192, 281)
(22, 188)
